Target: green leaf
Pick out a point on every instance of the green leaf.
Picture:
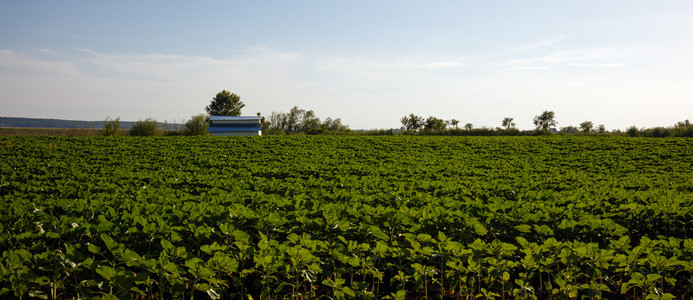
(349, 292)
(479, 228)
(108, 240)
(442, 237)
(376, 232)
(194, 263)
(131, 258)
(202, 287)
(93, 248)
(424, 238)
(106, 272)
(343, 225)
(522, 241)
(523, 228)
(167, 246)
(653, 277)
(109, 297)
(241, 236)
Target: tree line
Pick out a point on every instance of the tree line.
(225, 103)
(545, 124)
(301, 121)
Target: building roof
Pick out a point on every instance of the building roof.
(233, 118)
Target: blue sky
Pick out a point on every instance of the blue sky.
(617, 63)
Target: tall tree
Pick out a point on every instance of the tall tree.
(310, 124)
(434, 124)
(545, 120)
(225, 103)
(454, 122)
(333, 125)
(508, 123)
(412, 122)
(586, 126)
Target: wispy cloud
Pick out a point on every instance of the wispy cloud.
(120, 39)
(47, 51)
(577, 84)
(602, 57)
(178, 67)
(162, 66)
(22, 63)
(442, 65)
(608, 65)
(536, 45)
(532, 68)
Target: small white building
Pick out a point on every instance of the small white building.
(228, 125)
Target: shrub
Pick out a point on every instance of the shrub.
(569, 130)
(657, 132)
(684, 128)
(197, 125)
(111, 127)
(683, 131)
(148, 127)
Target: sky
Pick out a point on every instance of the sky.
(368, 62)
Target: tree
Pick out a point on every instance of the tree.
(508, 123)
(225, 104)
(569, 129)
(148, 127)
(293, 120)
(586, 126)
(601, 128)
(412, 122)
(333, 125)
(685, 123)
(197, 125)
(309, 123)
(454, 123)
(111, 127)
(302, 121)
(545, 120)
(684, 128)
(468, 126)
(434, 124)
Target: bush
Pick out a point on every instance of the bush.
(570, 130)
(148, 127)
(686, 131)
(111, 127)
(197, 125)
(657, 132)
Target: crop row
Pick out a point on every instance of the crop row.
(344, 217)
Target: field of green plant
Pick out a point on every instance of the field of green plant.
(346, 217)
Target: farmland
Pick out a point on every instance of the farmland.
(346, 217)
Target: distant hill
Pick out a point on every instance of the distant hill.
(58, 123)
